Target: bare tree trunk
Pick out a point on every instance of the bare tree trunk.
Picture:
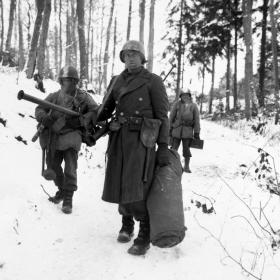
(2, 27)
(74, 35)
(274, 52)
(47, 70)
(82, 40)
(21, 60)
(43, 37)
(203, 79)
(35, 37)
(114, 46)
(178, 82)
(11, 23)
(183, 69)
(247, 21)
(68, 36)
(129, 21)
(55, 39)
(151, 37)
(235, 56)
(106, 54)
(28, 25)
(91, 55)
(142, 5)
(212, 86)
(88, 33)
(100, 74)
(261, 94)
(60, 34)
(228, 77)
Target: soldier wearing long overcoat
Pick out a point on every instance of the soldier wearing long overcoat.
(140, 121)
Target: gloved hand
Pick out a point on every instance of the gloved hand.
(196, 135)
(47, 121)
(162, 155)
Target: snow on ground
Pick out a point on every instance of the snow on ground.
(38, 241)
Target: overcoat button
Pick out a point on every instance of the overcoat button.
(121, 113)
(140, 99)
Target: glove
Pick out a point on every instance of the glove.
(196, 135)
(73, 122)
(47, 121)
(163, 155)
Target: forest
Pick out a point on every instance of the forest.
(42, 36)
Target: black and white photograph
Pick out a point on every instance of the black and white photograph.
(139, 139)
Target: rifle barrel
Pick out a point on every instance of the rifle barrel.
(46, 104)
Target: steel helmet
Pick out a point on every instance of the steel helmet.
(186, 92)
(68, 72)
(133, 45)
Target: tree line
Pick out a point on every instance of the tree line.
(210, 29)
(81, 33)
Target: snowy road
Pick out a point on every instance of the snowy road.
(38, 241)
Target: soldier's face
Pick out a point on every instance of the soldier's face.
(186, 98)
(68, 85)
(132, 60)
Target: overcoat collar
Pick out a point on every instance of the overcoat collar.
(138, 81)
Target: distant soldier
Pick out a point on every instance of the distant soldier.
(62, 137)
(39, 82)
(141, 106)
(220, 107)
(184, 125)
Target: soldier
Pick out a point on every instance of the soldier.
(184, 125)
(140, 121)
(62, 136)
(39, 82)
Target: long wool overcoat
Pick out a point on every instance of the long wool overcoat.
(140, 95)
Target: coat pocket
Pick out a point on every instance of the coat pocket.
(149, 132)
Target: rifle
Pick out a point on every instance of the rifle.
(48, 105)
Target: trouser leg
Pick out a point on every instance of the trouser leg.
(175, 143)
(70, 170)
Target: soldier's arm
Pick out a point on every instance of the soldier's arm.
(41, 112)
(90, 113)
(196, 118)
(108, 105)
(160, 107)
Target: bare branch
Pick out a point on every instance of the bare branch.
(227, 252)
(240, 216)
(243, 202)
(45, 191)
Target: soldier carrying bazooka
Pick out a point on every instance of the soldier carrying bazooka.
(64, 119)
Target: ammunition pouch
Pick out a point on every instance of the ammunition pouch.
(188, 123)
(149, 132)
(58, 125)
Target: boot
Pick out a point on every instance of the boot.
(187, 165)
(142, 243)
(67, 202)
(58, 197)
(126, 231)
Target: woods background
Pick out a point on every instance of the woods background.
(200, 36)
